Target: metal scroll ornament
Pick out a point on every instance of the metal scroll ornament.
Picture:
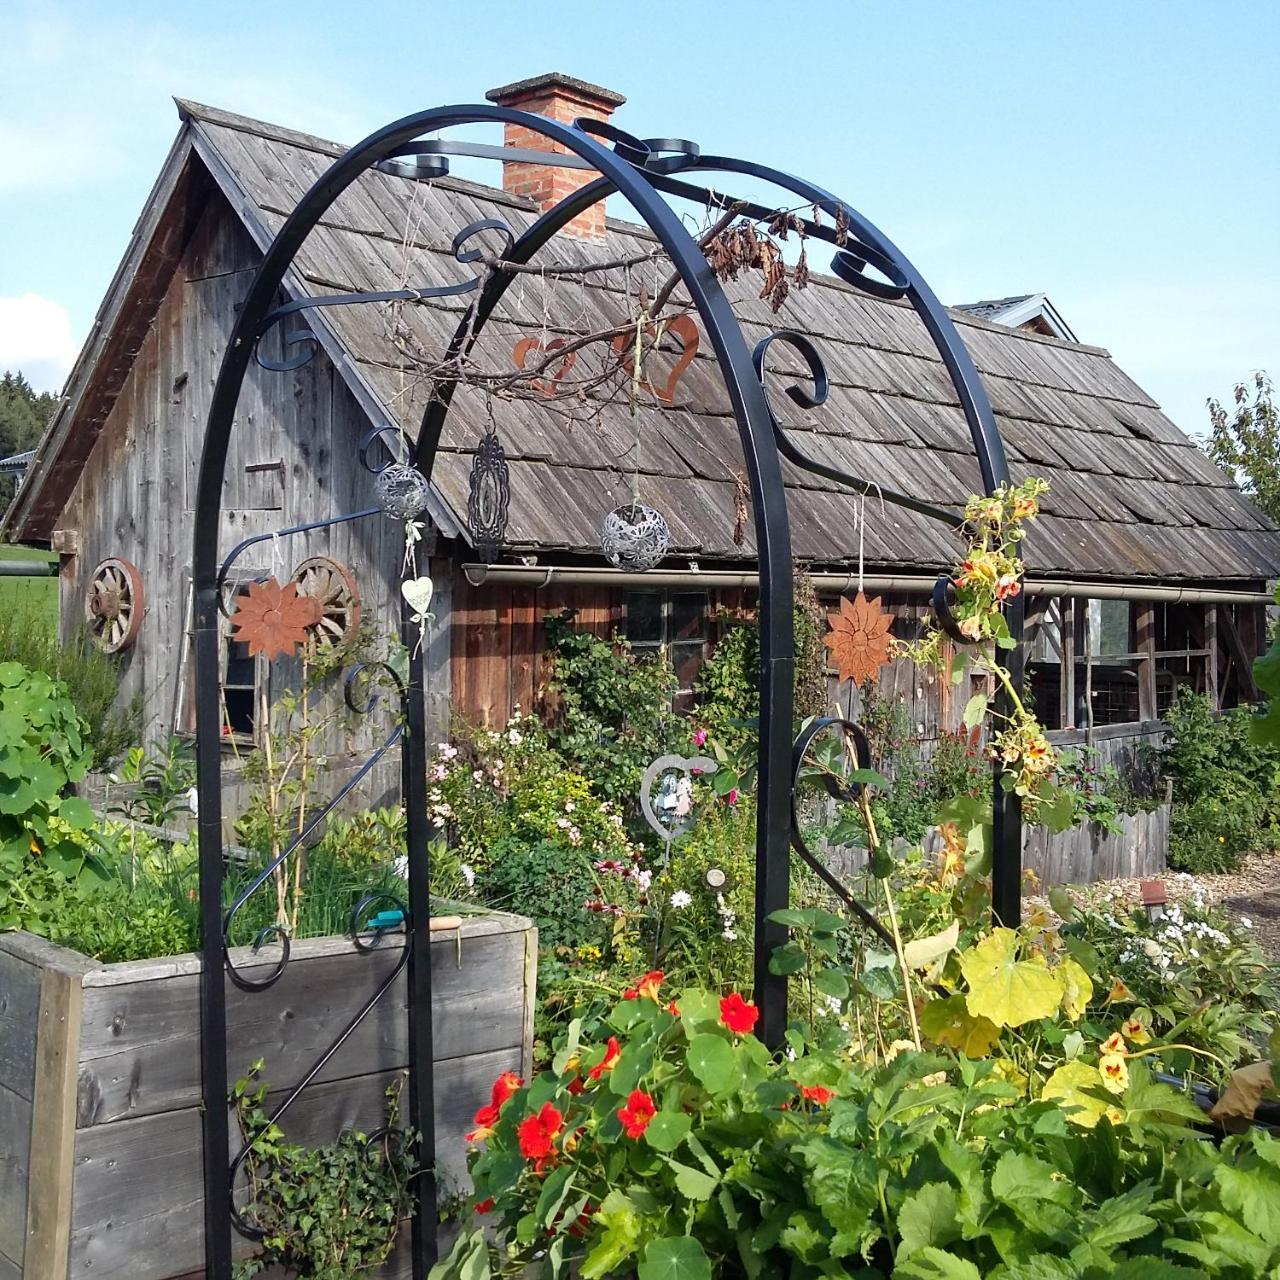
(634, 538)
(489, 498)
(403, 491)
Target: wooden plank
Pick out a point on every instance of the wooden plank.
(53, 1127)
(19, 1012)
(15, 1147)
(1067, 690)
(1145, 643)
(9, 1270)
(139, 1195)
(1241, 655)
(139, 1049)
(1211, 658)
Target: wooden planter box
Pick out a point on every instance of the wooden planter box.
(100, 1169)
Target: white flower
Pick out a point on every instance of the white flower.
(401, 866)
(468, 875)
(446, 749)
(563, 823)
(193, 801)
(1246, 923)
(515, 737)
(114, 779)
(680, 899)
(568, 806)
(477, 775)
(729, 935)
(438, 773)
(643, 880)
(575, 836)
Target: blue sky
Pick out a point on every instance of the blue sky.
(1123, 157)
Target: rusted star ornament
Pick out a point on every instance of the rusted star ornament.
(273, 620)
(859, 638)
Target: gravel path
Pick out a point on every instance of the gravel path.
(1252, 893)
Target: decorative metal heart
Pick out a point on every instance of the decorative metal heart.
(663, 813)
(527, 345)
(687, 331)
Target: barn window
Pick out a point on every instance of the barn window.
(244, 677)
(674, 624)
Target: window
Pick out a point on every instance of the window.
(244, 678)
(673, 623)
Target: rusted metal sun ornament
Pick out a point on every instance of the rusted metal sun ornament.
(859, 638)
(275, 621)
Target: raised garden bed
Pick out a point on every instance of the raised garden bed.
(100, 1171)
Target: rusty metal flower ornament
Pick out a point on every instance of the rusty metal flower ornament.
(273, 620)
(859, 638)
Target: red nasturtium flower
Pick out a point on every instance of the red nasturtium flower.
(647, 986)
(612, 1052)
(736, 1014)
(485, 1119)
(818, 1093)
(538, 1132)
(484, 1206)
(635, 1116)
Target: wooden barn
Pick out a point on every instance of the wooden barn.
(1148, 569)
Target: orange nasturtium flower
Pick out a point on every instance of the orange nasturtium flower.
(818, 1093)
(612, 1052)
(647, 986)
(485, 1119)
(739, 1016)
(637, 1113)
(1119, 993)
(537, 1134)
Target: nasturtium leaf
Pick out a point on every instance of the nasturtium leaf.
(974, 710)
(1003, 988)
(675, 1258)
(919, 953)
(667, 1130)
(698, 1008)
(833, 983)
(76, 813)
(787, 959)
(1075, 1084)
(948, 1022)
(792, 917)
(1077, 989)
(713, 1062)
(879, 976)
(928, 1217)
(868, 778)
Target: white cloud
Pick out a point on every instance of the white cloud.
(36, 338)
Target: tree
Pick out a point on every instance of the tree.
(1246, 442)
(24, 414)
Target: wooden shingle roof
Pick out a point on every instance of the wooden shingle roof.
(1131, 497)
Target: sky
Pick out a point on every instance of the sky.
(1121, 156)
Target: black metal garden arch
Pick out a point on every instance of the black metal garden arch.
(641, 171)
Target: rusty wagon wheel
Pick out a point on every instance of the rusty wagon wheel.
(334, 585)
(113, 605)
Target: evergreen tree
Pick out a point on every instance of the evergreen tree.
(24, 414)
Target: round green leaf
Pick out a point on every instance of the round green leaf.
(714, 1063)
(675, 1258)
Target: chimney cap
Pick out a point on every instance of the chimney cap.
(557, 80)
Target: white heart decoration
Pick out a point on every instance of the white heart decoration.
(418, 592)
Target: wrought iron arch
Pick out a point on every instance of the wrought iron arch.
(641, 171)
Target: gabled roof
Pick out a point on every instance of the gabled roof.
(1132, 497)
(1032, 311)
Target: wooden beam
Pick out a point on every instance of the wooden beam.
(1210, 638)
(53, 1126)
(1067, 685)
(1243, 658)
(1145, 635)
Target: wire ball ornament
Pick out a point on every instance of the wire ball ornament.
(634, 538)
(489, 497)
(403, 491)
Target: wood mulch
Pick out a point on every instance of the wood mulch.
(1252, 893)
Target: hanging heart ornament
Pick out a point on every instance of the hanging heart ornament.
(683, 328)
(418, 592)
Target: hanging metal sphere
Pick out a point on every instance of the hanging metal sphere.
(402, 491)
(634, 538)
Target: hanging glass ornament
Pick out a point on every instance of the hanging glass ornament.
(489, 497)
(403, 491)
(634, 538)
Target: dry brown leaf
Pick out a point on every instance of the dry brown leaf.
(1234, 1110)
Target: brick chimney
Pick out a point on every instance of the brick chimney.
(564, 99)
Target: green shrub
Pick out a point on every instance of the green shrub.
(91, 677)
(615, 709)
(548, 882)
(1226, 787)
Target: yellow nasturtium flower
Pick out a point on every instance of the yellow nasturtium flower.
(1135, 1030)
(1114, 1072)
(1114, 1044)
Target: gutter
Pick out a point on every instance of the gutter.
(543, 576)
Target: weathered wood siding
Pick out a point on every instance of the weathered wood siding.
(1088, 854)
(126, 1201)
(135, 495)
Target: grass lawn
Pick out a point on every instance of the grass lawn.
(29, 596)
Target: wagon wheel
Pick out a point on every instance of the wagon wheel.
(334, 586)
(113, 605)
